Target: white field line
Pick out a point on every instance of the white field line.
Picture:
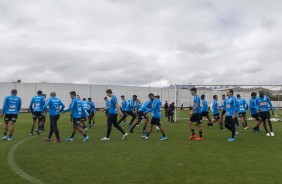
(13, 165)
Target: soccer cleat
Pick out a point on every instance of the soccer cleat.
(268, 134)
(38, 132)
(57, 141)
(31, 134)
(193, 137)
(246, 128)
(105, 139)
(47, 139)
(145, 137)
(124, 136)
(69, 139)
(231, 139)
(4, 137)
(84, 130)
(198, 139)
(272, 134)
(85, 138)
(163, 138)
(10, 139)
(131, 131)
(157, 128)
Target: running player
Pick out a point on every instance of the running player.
(123, 107)
(231, 111)
(195, 116)
(142, 115)
(129, 111)
(205, 110)
(11, 108)
(107, 106)
(77, 112)
(264, 105)
(242, 108)
(91, 120)
(254, 111)
(86, 106)
(114, 109)
(55, 108)
(36, 107)
(215, 111)
(156, 115)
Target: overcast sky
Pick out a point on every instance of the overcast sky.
(141, 42)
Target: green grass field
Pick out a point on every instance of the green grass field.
(253, 158)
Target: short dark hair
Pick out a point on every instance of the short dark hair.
(84, 99)
(223, 95)
(134, 96)
(203, 96)
(238, 96)
(261, 91)
(231, 91)
(39, 92)
(158, 96)
(109, 91)
(14, 91)
(193, 89)
(73, 93)
(89, 98)
(151, 94)
(105, 98)
(253, 94)
(122, 96)
(214, 97)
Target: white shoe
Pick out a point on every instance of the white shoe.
(105, 139)
(246, 128)
(85, 129)
(4, 138)
(158, 129)
(10, 139)
(124, 136)
(268, 134)
(272, 134)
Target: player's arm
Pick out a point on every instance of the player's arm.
(270, 105)
(31, 105)
(70, 107)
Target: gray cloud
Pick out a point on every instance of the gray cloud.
(130, 42)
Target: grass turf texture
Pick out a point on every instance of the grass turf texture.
(253, 158)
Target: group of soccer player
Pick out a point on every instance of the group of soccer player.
(82, 110)
(231, 108)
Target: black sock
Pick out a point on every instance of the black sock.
(193, 132)
(163, 134)
(83, 127)
(84, 135)
(10, 135)
(72, 135)
(31, 131)
(5, 134)
(246, 123)
(201, 134)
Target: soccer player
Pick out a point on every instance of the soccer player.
(11, 107)
(123, 107)
(36, 107)
(242, 108)
(77, 112)
(254, 111)
(215, 111)
(44, 119)
(142, 115)
(156, 115)
(129, 111)
(114, 109)
(264, 105)
(205, 110)
(86, 106)
(55, 108)
(91, 113)
(195, 116)
(231, 110)
(170, 112)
